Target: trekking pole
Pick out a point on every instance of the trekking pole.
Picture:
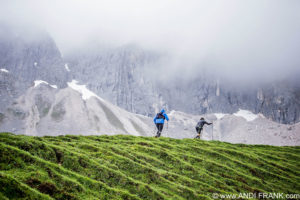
(154, 130)
(212, 130)
(167, 128)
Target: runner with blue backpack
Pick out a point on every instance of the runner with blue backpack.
(159, 121)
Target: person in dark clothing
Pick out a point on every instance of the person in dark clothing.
(199, 127)
(159, 121)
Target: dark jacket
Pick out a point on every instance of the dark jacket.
(201, 123)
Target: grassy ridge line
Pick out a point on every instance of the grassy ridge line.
(128, 167)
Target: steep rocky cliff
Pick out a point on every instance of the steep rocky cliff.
(27, 57)
(130, 77)
(125, 77)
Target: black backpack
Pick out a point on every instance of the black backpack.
(160, 116)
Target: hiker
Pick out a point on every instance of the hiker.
(199, 126)
(159, 121)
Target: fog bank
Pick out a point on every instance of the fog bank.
(242, 40)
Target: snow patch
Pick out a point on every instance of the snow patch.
(219, 115)
(86, 93)
(172, 112)
(4, 70)
(246, 114)
(38, 82)
(35, 64)
(67, 67)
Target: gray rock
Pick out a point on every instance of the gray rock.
(121, 75)
(125, 77)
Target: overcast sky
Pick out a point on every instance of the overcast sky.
(250, 38)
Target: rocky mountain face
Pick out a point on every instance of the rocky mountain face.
(279, 101)
(47, 110)
(24, 59)
(118, 75)
(126, 77)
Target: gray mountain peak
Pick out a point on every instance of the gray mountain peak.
(36, 98)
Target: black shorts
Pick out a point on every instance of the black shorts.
(198, 129)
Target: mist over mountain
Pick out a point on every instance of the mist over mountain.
(136, 79)
(216, 64)
(127, 76)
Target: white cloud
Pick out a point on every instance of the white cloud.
(240, 39)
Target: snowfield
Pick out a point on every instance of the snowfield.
(220, 115)
(38, 82)
(86, 94)
(4, 70)
(67, 67)
(246, 114)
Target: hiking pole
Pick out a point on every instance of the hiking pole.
(167, 125)
(167, 128)
(154, 130)
(212, 131)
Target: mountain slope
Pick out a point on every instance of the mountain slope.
(46, 110)
(240, 127)
(142, 81)
(24, 58)
(119, 75)
(128, 167)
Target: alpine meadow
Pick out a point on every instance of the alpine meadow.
(129, 167)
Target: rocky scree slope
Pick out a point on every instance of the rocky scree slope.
(46, 110)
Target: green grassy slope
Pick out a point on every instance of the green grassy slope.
(128, 167)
